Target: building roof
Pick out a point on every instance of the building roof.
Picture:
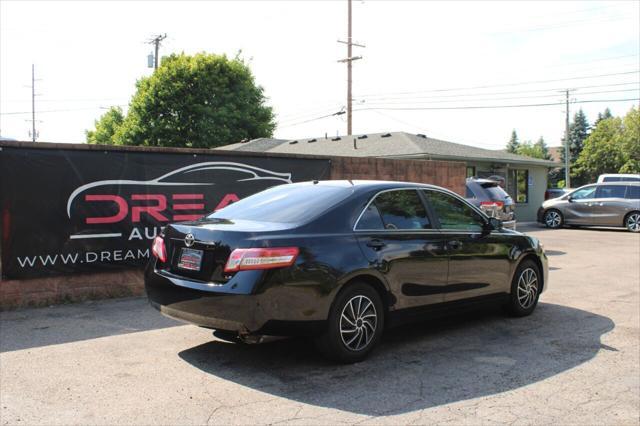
(383, 145)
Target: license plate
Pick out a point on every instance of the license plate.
(190, 259)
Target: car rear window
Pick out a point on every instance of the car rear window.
(285, 204)
(496, 193)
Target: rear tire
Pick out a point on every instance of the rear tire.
(525, 289)
(632, 221)
(354, 326)
(553, 219)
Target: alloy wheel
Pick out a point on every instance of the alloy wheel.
(358, 322)
(527, 288)
(553, 219)
(633, 222)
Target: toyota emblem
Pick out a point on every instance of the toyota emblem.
(189, 240)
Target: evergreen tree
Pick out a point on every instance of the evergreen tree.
(541, 147)
(513, 144)
(603, 116)
(578, 132)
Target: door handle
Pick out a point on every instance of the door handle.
(376, 244)
(454, 245)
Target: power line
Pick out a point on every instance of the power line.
(510, 92)
(341, 112)
(462, 98)
(56, 110)
(490, 106)
(506, 84)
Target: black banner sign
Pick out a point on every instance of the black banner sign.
(65, 211)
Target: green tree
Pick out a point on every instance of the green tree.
(535, 150)
(630, 140)
(603, 151)
(513, 144)
(106, 127)
(198, 101)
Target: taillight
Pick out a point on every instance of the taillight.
(491, 204)
(261, 258)
(159, 250)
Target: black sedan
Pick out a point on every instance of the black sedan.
(340, 261)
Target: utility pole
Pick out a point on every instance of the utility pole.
(567, 152)
(34, 133)
(349, 59)
(33, 102)
(156, 42)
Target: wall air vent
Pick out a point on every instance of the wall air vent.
(337, 138)
(293, 142)
(312, 140)
(421, 135)
(363, 137)
(386, 135)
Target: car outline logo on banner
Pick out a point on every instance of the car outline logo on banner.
(210, 165)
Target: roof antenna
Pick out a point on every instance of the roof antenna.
(349, 180)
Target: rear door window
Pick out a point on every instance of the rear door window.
(611, 191)
(370, 218)
(454, 214)
(633, 192)
(401, 209)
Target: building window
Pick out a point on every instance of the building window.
(519, 186)
(471, 171)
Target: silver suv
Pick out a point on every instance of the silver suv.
(600, 204)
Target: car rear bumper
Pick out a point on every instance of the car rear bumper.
(234, 306)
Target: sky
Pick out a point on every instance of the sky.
(426, 68)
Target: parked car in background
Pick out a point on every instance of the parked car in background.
(620, 177)
(599, 204)
(552, 193)
(488, 196)
(340, 261)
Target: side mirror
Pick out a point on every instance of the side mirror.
(570, 198)
(495, 223)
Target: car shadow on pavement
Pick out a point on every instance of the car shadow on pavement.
(418, 366)
(35, 327)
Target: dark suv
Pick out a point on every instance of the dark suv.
(489, 196)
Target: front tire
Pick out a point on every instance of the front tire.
(553, 219)
(355, 324)
(525, 289)
(632, 221)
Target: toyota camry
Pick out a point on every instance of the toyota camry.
(340, 261)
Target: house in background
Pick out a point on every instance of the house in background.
(525, 177)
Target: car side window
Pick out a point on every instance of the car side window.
(370, 218)
(633, 192)
(611, 191)
(584, 193)
(453, 213)
(401, 209)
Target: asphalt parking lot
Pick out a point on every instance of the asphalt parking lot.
(575, 360)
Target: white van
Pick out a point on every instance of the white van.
(612, 177)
